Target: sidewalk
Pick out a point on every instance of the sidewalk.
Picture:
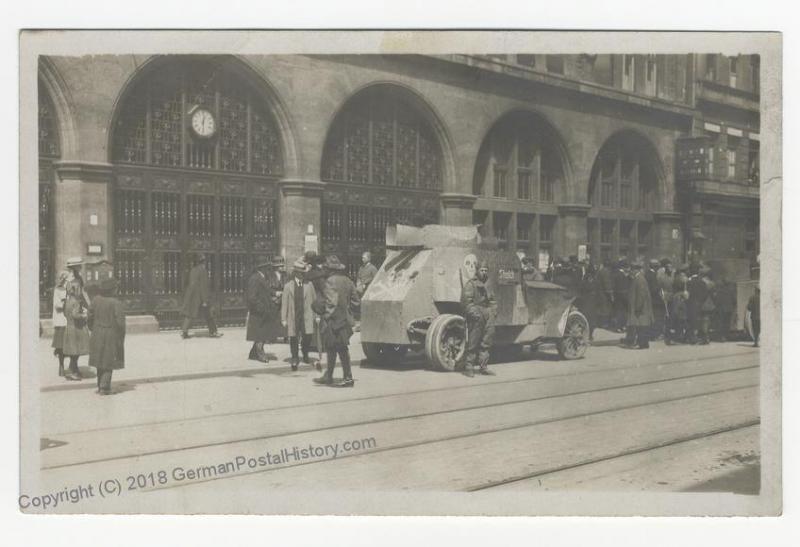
(165, 355)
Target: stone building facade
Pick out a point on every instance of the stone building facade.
(144, 161)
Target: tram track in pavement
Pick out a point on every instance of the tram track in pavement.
(528, 424)
(411, 416)
(620, 454)
(495, 382)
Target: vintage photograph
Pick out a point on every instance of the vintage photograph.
(490, 280)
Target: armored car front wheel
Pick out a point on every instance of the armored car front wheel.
(446, 341)
(383, 354)
(576, 336)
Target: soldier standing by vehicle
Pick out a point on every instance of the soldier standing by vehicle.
(336, 320)
(366, 273)
(480, 310)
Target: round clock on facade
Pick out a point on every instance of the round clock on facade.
(202, 122)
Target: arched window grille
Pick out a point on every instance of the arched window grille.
(178, 194)
(386, 166)
(380, 139)
(152, 127)
(519, 180)
(622, 193)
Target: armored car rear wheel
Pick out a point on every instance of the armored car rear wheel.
(576, 337)
(383, 354)
(446, 341)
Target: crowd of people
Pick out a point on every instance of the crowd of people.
(681, 304)
(316, 304)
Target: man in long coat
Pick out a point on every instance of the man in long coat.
(480, 309)
(640, 310)
(335, 308)
(197, 300)
(107, 323)
(659, 311)
(604, 294)
(622, 284)
(297, 317)
(698, 294)
(263, 322)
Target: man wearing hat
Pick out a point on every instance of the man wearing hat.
(334, 308)
(622, 285)
(106, 346)
(297, 316)
(196, 300)
(480, 309)
(651, 276)
(262, 318)
(698, 295)
(640, 310)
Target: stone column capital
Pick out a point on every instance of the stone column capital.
(299, 187)
(667, 216)
(574, 209)
(452, 199)
(85, 171)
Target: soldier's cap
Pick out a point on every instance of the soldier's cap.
(74, 261)
(263, 263)
(654, 262)
(278, 261)
(332, 263)
(665, 261)
(482, 264)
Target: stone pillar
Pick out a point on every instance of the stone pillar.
(572, 228)
(300, 207)
(668, 235)
(457, 209)
(83, 213)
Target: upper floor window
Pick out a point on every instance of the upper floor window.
(555, 63)
(732, 71)
(711, 67)
(196, 114)
(628, 72)
(651, 75)
(731, 173)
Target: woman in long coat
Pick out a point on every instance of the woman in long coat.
(59, 319)
(76, 333)
(107, 322)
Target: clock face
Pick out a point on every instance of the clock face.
(203, 123)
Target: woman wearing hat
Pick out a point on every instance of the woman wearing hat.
(59, 319)
(297, 316)
(76, 333)
(336, 325)
(263, 323)
(107, 321)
